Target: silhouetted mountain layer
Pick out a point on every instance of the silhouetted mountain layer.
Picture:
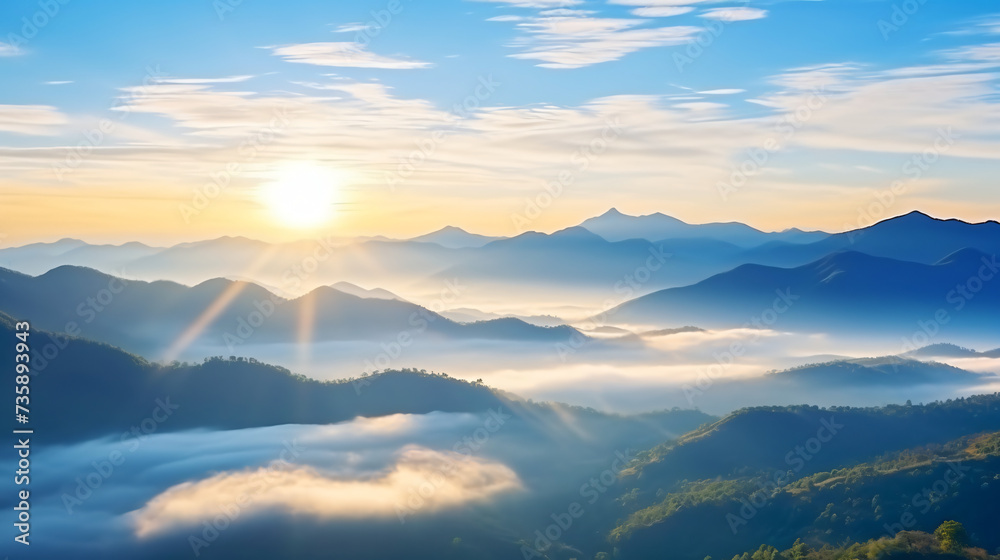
(947, 350)
(148, 318)
(847, 292)
(576, 257)
(914, 237)
(452, 237)
(374, 293)
(859, 373)
(616, 226)
(606, 253)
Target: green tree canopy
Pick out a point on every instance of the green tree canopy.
(951, 536)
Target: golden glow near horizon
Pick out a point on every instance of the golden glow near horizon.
(150, 215)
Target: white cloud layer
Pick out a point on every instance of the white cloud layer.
(35, 120)
(734, 14)
(575, 42)
(343, 54)
(444, 480)
(7, 49)
(662, 11)
(535, 3)
(658, 3)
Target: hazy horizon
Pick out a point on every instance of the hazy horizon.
(573, 222)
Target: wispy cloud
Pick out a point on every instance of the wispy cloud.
(350, 27)
(987, 53)
(574, 42)
(988, 25)
(59, 82)
(36, 120)
(662, 11)
(535, 3)
(7, 49)
(734, 14)
(343, 54)
(659, 3)
(228, 80)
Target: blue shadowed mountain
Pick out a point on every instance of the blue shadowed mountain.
(373, 293)
(846, 292)
(452, 237)
(147, 317)
(575, 257)
(36, 258)
(616, 226)
(913, 237)
(889, 371)
(948, 350)
(594, 256)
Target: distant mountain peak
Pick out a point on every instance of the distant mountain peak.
(453, 229)
(454, 237)
(577, 232)
(916, 216)
(616, 226)
(68, 269)
(374, 293)
(217, 284)
(224, 241)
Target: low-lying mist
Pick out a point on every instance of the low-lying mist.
(715, 371)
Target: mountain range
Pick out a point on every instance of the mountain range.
(889, 279)
(616, 226)
(948, 350)
(845, 292)
(696, 251)
(150, 317)
(595, 255)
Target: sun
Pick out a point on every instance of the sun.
(302, 195)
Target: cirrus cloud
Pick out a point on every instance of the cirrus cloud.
(662, 11)
(575, 42)
(35, 120)
(734, 14)
(343, 54)
(535, 3)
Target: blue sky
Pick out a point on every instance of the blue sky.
(104, 45)
(195, 77)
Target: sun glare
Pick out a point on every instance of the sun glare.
(302, 195)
